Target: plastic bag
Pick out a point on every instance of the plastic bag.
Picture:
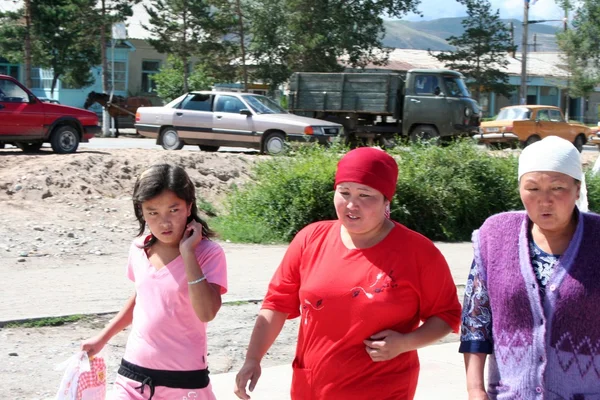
(84, 378)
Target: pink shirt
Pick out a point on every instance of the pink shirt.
(166, 333)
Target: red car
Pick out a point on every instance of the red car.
(27, 122)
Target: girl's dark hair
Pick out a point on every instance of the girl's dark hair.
(155, 180)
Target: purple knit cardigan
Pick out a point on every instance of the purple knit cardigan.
(544, 348)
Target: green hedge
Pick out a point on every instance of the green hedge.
(443, 192)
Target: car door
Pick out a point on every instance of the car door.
(231, 126)
(193, 118)
(561, 127)
(423, 102)
(544, 126)
(20, 115)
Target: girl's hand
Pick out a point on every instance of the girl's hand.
(384, 345)
(192, 235)
(93, 345)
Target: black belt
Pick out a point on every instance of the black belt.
(156, 377)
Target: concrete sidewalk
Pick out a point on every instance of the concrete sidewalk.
(442, 377)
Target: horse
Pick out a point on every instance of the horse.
(119, 106)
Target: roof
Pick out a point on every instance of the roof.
(546, 64)
(532, 106)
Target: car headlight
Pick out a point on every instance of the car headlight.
(468, 112)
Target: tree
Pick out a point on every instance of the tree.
(62, 31)
(481, 50)
(579, 46)
(169, 80)
(181, 28)
(232, 22)
(60, 39)
(111, 12)
(315, 35)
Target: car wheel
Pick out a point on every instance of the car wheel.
(424, 133)
(170, 139)
(579, 142)
(210, 149)
(30, 147)
(274, 144)
(65, 139)
(531, 140)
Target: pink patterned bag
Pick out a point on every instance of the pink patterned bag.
(84, 378)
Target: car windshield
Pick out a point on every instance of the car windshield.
(456, 87)
(514, 114)
(174, 103)
(263, 105)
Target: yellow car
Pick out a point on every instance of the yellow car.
(528, 124)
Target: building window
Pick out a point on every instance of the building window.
(9, 69)
(41, 78)
(120, 76)
(149, 69)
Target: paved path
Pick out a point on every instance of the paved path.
(44, 287)
(48, 286)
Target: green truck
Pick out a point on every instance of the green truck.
(421, 104)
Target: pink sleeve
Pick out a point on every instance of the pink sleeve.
(211, 259)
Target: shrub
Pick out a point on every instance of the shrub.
(289, 193)
(443, 192)
(446, 192)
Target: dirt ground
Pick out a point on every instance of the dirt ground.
(67, 206)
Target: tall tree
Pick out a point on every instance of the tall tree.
(269, 45)
(318, 35)
(62, 30)
(231, 20)
(579, 46)
(60, 39)
(110, 12)
(181, 28)
(481, 50)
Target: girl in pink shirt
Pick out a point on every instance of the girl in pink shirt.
(179, 277)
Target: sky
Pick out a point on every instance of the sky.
(542, 9)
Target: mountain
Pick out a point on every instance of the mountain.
(423, 35)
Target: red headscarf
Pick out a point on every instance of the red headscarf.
(371, 167)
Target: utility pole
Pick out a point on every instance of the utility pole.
(27, 52)
(512, 39)
(523, 90)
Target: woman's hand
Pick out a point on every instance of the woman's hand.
(94, 345)
(250, 372)
(192, 235)
(384, 345)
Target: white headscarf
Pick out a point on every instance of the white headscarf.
(553, 154)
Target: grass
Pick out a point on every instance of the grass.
(44, 322)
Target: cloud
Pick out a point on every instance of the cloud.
(543, 9)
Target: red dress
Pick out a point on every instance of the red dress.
(344, 296)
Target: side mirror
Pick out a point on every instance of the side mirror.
(246, 112)
(437, 91)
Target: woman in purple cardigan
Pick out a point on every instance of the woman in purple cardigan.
(532, 300)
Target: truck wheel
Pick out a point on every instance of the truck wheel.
(579, 142)
(30, 147)
(274, 144)
(424, 133)
(65, 140)
(207, 148)
(170, 139)
(531, 140)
